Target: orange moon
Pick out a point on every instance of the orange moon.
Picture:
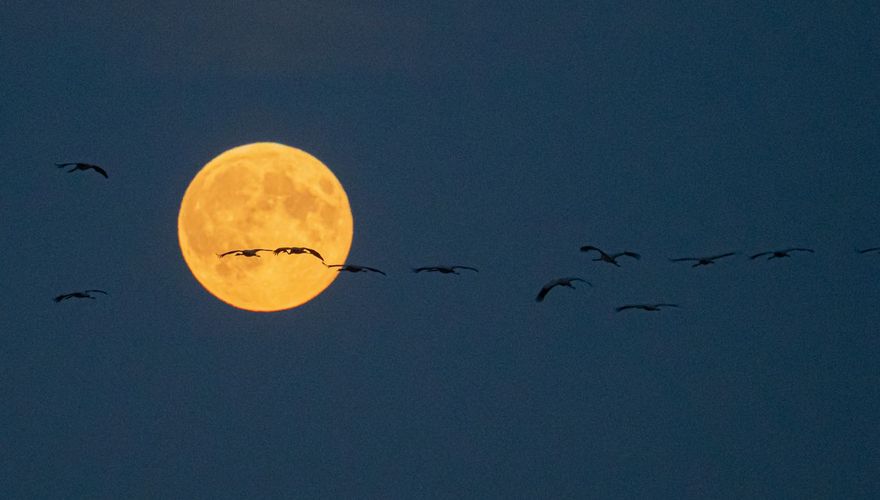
(264, 195)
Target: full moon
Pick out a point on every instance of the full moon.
(264, 195)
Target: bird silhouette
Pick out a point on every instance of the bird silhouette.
(644, 307)
(78, 295)
(558, 282)
(778, 254)
(297, 251)
(703, 261)
(867, 250)
(609, 258)
(83, 166)
(443, 269)
(355, 269)
(248, 252)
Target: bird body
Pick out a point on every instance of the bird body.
(443, 269)
(609, 258)
(703, 261)
(778, 254)
(298, 251)
(85, 294)
(355, 269)
(568, 282)
(82, 166)
(645, 307)
(248, 252)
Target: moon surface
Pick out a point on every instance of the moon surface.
(264, 195)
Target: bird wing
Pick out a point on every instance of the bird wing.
(868, 250)
(466, 267)
(420, 269)
(728, 254)
(62, 165)
(627, 254)
(279, 250)
(683, 259)
(665, 305)
(340, 266)
(374, 270)
(800, 250)
(578, 279)
(224, 254)
(587, 248)
(544, 290)
(256, 250)
(96, 291)
(61, 297)
(314, 252)
(629, 306)
(753, 257)
(99, 170)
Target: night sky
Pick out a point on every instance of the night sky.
(502, 136)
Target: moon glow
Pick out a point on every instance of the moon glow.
(264, 195)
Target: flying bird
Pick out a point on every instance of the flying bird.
(82, 166)
(85, 294)
(778, 254)
(248, 252)
(297, 251)
(875, 249)
(609, 258)
(355, 269)
(644, 307)
(558, 282)
(703, 261)
(443, 269)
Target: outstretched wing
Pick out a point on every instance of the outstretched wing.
(800, 250)
(665, 305)
(627, 253)
(314, 252)
(466, 267)
(99, 170)
(629, 306)
(61, 297)
(544, 290)
(224, 254)
(97, 291)
(684, 259)
(575, 278)
(728, 254)
(588, 248)
(62, 165)
(340, 266)
(753, 257)
(868, 250)
(374, 270)
(420, 269)
(280, 250)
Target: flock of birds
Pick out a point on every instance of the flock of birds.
(602, 256)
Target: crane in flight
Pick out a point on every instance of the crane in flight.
(703, 261)
(355, 269)
(443, 269)
(247, 252)
(82, 166)
(778, 254)
(567, 282)
(85, 294)
(298, 251)
(645, 307)
(609, 258)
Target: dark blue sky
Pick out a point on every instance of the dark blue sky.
(502, 136)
